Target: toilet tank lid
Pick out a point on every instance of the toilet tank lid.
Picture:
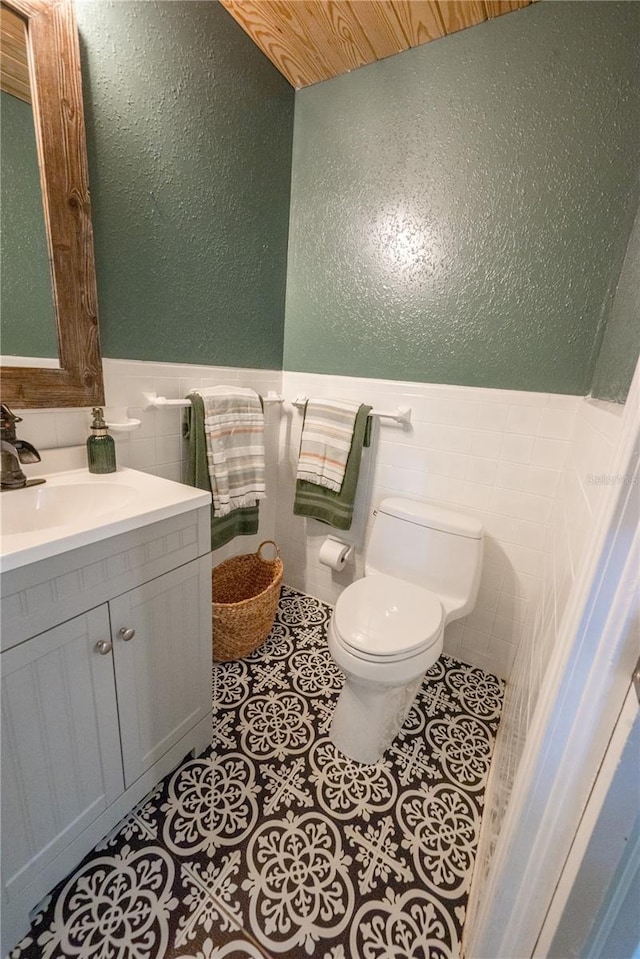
(433, 516)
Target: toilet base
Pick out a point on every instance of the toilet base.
(369, 716)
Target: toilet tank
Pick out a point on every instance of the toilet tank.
(429, 545)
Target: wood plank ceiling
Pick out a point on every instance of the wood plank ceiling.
(313, 40)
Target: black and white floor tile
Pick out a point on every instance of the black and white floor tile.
(274, 844)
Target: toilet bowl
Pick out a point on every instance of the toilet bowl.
(387, 629)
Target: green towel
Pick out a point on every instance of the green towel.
(240, 522)
(336, 509)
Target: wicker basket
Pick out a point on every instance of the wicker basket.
(245, 590)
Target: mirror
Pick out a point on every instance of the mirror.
(58, 119)
(27, 321)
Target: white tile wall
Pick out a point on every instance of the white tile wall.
(497, 454)
(525, 463)
(582, 484)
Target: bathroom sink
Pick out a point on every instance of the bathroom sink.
(42, 507)
(76, 508)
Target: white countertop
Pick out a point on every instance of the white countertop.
(84, 508)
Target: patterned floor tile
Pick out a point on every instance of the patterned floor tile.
(274, 844)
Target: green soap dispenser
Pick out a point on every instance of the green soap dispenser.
(101, 450)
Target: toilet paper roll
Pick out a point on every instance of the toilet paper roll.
(334, 554)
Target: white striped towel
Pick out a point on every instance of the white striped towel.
(327, 433)
(234, 431)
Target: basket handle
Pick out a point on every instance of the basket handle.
(266, 542)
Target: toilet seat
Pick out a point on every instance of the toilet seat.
(384, 619)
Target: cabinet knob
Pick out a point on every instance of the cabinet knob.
(126, 634)
(104, 647)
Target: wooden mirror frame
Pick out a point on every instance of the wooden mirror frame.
(56, 91)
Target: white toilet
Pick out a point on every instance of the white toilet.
(422, 571)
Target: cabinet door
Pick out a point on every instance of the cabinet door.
(61, 762)
(162, 654)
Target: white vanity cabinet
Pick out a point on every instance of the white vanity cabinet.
(101, 704)
(163, 671)
(61, 763)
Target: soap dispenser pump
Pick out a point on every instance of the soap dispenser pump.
(101, 450)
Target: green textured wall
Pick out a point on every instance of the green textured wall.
(460, 212)
(621, 342)
(28, 326)
(189, 133)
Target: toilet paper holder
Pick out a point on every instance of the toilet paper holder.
(335, 553)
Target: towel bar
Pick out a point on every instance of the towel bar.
(151, 401)
(401, 415)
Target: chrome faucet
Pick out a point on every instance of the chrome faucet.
(13, 452)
